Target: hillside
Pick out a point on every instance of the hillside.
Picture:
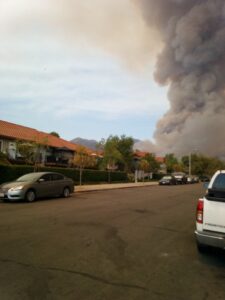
(91, 144)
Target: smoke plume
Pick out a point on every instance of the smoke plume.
(192, 63)
(188, 35)
(191, 60)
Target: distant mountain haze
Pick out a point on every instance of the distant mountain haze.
(92, 144)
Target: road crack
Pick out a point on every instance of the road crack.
(80, 273)
(167, 229)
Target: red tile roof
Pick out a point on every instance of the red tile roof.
(14, 131)
(160, 159)
(142, 154)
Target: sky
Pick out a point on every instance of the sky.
(73, 73)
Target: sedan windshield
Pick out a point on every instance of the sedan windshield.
(28, 177)
(167, 177)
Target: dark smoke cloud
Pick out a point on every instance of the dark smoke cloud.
(188, 34)
(192, 63)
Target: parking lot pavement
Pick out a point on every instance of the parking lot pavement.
(133, 244)
(97, 187)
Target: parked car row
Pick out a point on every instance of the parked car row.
(35, 185)
(178, 178)
(167, 180)
(192, 179)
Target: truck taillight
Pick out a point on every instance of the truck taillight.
(200, 208)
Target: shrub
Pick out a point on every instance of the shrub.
(4, 159)
(11, 172)
(157, 176)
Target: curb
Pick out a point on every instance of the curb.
(103, 187)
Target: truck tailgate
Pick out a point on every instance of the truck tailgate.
(214, 214)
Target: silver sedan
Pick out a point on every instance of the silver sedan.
(37, 185)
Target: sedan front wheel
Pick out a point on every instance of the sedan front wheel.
(66, 192)
(30, 196)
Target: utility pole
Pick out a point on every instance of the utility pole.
(136, 176)
(190, 164)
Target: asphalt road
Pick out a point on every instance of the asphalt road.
(135, 243)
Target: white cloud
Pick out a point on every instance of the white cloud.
(64, 83)
(58, 63)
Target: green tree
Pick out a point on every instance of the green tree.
(170, 161)
(54, 133)
(125, 147)
(214, 165)
(144, 166)
(122, 150)
(153, 163)
(100, 145)
(112, 156)
(202, 165)
(83, 160)
(197, 163)
(31, 151)
(26, 150)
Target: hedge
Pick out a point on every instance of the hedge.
(11, 172)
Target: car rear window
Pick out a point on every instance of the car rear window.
(217, 192)
(219, 182)
(46, 177)
(28, 177)
(57, 177)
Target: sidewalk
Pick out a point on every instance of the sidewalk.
(98, 187)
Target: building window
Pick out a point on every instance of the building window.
(1, 146)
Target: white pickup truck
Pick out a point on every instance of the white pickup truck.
(210, 217)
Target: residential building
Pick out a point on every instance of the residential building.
(51, 149)
(138, 155)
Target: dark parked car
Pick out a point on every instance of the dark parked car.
(168, 179)
(204, 178)
(190, 179)
(196, 179)
(37, 185)
(181, 177)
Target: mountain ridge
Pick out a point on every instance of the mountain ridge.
(91, 144)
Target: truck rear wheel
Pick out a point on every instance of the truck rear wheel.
(202, 248)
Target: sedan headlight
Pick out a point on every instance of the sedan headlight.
(17, 188)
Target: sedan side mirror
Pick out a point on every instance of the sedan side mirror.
(41, 180)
